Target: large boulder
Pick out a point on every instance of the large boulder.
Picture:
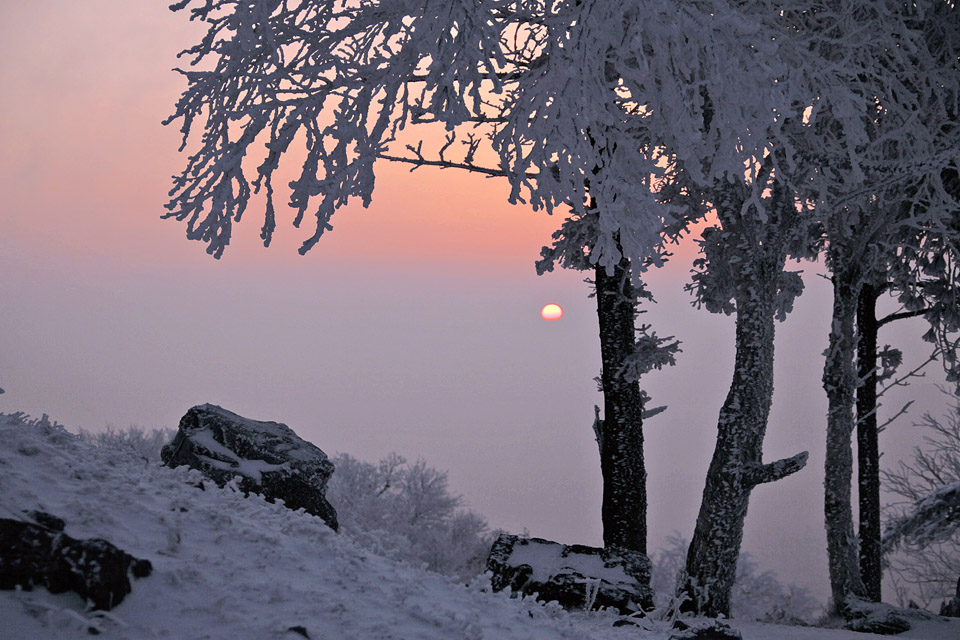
(42, 555)
(875, 617)
(269, 458)
(575, 576)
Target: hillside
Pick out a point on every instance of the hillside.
(234, 568)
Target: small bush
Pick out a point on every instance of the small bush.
(133, 439)
(406, 511)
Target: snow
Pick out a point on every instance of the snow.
(266, 434)
(228, 460)
(547, 560)
(231, 567)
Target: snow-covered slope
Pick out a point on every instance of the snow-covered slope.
(231, 567)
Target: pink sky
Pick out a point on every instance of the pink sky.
(413, 327)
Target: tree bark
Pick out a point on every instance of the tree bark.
(715, 548)
(840, 383)
(620, 434)
(736, 467)
(868, 452)
(750, 252)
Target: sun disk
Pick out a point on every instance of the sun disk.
(551, 312)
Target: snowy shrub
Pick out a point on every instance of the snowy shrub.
(406, 511)
(135, 439)
(922, 539)
(756, 595)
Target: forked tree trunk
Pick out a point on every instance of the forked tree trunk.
(868, 451)
(840, 383)
(737, 467)
(620, 434)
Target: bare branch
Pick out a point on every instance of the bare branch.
(649, 413)
(899, 413)
(914, 373)
(446, 164)
(893, 317)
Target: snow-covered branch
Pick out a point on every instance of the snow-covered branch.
(756, 474)
(933, 518)
(558, 92)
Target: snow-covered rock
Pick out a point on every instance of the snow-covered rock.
(575, 576)
(875, 617)
(268, 456)
(39, 554)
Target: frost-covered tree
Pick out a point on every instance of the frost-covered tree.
(922, 536)
(541, 84)
(742, 272)
(927, 285)
(890, 228)
(406, 511)
(931, 289)
(626, 354)
(827, 163)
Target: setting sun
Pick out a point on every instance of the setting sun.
(551, 312)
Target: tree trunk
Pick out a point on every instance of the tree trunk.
(620, 434)
(868, 453)
(736, 467)
(752, 251)
(840, 383)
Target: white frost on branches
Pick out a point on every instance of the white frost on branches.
(922, 537)
(564, 95)
(407, 512)
(932, 486)
(933, 518)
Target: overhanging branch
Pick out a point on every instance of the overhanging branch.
(900, 316)
(755, 474)
(447, 164)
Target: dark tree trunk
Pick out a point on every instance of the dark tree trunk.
(737, 467)
(715, 548)
(840, 383)
(868, 452)
(620, 434)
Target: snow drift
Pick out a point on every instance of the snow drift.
(231, 567)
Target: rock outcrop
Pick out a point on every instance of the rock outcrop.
(575, 576)
(268, 456)
(876, 617)
(41, 555)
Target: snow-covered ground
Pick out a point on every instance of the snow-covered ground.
(240, 568)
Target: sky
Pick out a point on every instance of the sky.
(412, 327)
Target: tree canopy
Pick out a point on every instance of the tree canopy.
(558, 92)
